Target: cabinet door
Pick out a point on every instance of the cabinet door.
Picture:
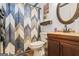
(53, 48)
(69, 49)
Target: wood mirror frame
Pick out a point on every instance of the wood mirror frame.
(75, 16)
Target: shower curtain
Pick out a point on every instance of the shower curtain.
(21, 26)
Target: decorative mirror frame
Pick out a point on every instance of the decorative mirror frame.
(75, 16)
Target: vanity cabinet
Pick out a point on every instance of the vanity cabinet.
(53, 48)
(68, 49)
(63, 45)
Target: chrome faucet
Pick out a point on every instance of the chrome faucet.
(66, 29)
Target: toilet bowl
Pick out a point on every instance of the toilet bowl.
(37, 47)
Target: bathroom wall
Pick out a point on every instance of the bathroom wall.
(21, 26)
(55, 21)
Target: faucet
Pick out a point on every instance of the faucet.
(66, 29)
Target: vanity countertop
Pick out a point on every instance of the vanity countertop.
(64, 33)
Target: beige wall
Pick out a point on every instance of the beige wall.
(56, 23)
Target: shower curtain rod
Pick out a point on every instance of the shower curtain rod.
(33, 5)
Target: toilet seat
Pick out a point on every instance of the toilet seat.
(36, 44)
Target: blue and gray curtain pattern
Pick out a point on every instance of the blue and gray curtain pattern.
(21, 26)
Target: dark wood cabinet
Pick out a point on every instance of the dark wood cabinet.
(54, 45)
(63, 45)
(69, 49)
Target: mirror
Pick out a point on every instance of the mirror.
(67, 12)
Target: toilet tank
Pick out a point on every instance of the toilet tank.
(43, 36)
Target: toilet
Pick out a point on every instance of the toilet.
(38, 46)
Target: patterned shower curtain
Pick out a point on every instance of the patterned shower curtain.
(21, 27)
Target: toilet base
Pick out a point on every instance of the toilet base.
(39, 52)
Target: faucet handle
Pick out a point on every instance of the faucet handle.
(55, 29)
(71, 30)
